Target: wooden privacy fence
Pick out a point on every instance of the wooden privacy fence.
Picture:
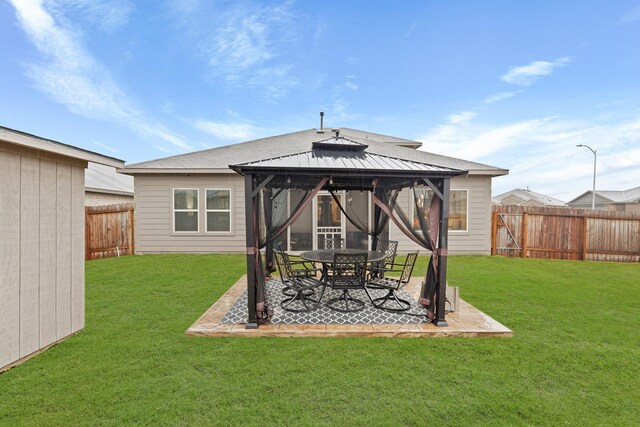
(562, 233)
(108, 231)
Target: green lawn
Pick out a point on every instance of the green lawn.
(574, 358)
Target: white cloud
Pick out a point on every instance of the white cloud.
(105, 147)
(462, 117)
(500, 96)
(541, 153)
(226, 130)
(630, 17)
(106, 15)
(72, 77)
(245, 44)
(351, 85)
(526, 75)
(339, 109)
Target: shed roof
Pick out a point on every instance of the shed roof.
(217, 160)
(24, 139)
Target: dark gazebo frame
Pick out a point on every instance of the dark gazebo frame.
(334, 163)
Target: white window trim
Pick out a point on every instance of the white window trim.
(230, 210)
(174, 210)
(466, 190)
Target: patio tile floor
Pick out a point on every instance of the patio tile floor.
(226, 318)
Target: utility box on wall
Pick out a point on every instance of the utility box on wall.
(453, 298)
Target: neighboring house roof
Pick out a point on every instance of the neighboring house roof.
(104, 179)
(217, 160)
(631, 195)
(23, 139)
(527, 196)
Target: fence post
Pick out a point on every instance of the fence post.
(584, 238)
(524, 235)
(87, 233)
(130, 231)
(494, 231)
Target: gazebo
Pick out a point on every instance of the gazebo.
(339, 164)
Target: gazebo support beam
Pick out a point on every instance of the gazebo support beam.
(377, 213)
(251, 211)
(443, 245)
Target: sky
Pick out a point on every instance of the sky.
(513, 84)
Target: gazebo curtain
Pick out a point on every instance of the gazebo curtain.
(426, 205)
(360, 223)
(273, 207)
(422, 228)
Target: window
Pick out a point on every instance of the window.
(457, 210)
(185, 210)
(218, 210)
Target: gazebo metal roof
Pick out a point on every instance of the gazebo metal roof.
(341, 164)
(342, 156)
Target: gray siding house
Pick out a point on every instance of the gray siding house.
(195, 203)
(42, 242)
(526, 197)
(619, 201)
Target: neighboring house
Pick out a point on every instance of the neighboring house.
(522, 197)
(195, 203)
(41, 242)
(104, 186)
(621, 201)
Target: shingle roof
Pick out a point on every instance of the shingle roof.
(218, 159)
(631, 195)
(624, 196)
(528, 195)
(104, 179)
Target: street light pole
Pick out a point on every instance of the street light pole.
(593, 193)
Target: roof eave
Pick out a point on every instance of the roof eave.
(35, 142)
(490, 172)
(107, 191)
(242, 170)
(134, 171)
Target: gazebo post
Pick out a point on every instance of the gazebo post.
(377, 213)
(443, 244)
(251, 228)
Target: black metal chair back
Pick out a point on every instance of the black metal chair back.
(393, 283)
(298, 288)
(407, 270)
(389, 248)
(284, 266)
(349, 271)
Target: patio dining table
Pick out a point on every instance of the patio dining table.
(325, 257)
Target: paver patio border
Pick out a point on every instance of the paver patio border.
(466, 321)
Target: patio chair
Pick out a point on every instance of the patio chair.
(334, 243)
(299, 266)
(393, 284)
(348, 272)
(388, 248)
(301, 288)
